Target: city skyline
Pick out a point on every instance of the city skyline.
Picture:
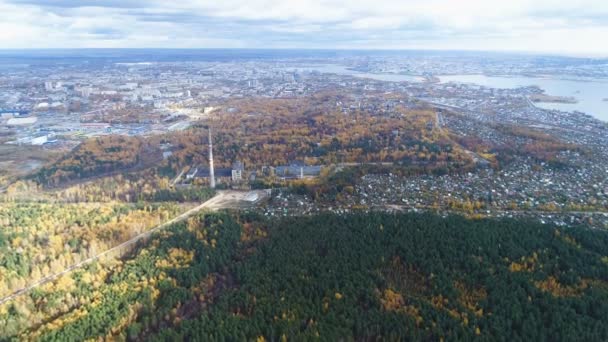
(549, 27)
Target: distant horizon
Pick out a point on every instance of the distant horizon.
(320, 49)
(548, 27)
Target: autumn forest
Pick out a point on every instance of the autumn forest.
(246, 275)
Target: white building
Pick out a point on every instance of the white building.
(41, 140)
(30, 120)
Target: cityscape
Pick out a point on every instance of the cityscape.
(308, 170)
(56, 108)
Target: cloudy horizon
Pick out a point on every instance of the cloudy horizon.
(545, 26)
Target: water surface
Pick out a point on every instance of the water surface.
(590, 93)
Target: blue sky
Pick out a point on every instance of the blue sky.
(574, 27)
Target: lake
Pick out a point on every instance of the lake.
(589, 93)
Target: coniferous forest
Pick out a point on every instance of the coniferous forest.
(238, 277)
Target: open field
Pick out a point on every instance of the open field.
(17, 161)
(233, 199)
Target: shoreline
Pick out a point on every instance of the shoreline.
(544, 98)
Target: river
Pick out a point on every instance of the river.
(590, 93)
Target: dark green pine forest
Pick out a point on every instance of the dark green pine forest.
(363, 277)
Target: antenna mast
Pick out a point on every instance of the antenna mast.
(211, 171)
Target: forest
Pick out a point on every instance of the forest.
(98, 156)
(44, 232)
(273, 132)
(312, 131)
(365, 276)
(40, 239)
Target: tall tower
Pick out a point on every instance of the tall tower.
(211, 171)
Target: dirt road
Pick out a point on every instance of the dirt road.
(223, 199)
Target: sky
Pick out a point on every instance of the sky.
(567, 27)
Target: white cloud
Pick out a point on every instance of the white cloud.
(557, 26)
